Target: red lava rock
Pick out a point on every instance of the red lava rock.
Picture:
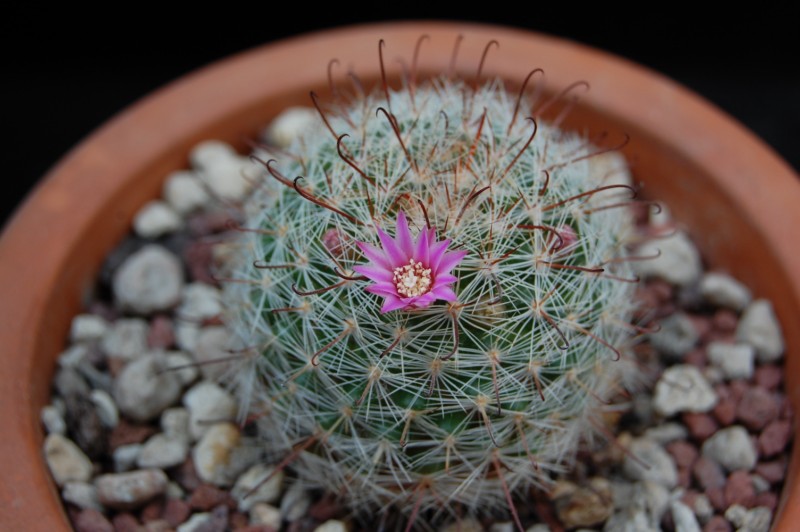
(207, 223)
(92, 521)
(700, 426)
(774, 437)
(708, 473)
(725, 320)
(738, 388)
(716, 496)
(689, 497)
(206, 497)
(786, 411)
(161, 334)
(199, 256)
(772, 472)
(739, 490)
(683, 452)
(218, 521)
(152, 511)
(125, 522)
(126, 433)
(696, 357)
(238, 521)
(725, 410)
(325, 508)
(702, 324)
(718, 524)
(186, 476)
(768, 499)
(684, 477)
(768, 376)
(661, 289)
(176, 512)
(115, 365)
(757, 408)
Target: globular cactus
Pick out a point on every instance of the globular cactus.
(438, 306)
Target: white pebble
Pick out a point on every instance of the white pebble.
(182, 366)
(666, 433)
(125, 456)
(735, 361)
(105, 407)
(53, 421)
(212, 453)
(73, 356)
(65, 460)
(213, 343)
(290, 124)
(332, 525)
(702, 508)
(184, 192)
(207, 404)
(759, 327)
(174, 491)
(265, 514)
(150, 280)
(683, 388)
(660, 467)
(175, 423)
(186, 335)
(81, 494)
(87, 327)
(210, 152)
(195, 523)
(268, 492)
(731, 448)
(130, 490)
(143, 389)
(684, 518)
(155, 219)
(125, 339)
(676, 337)
(295, 503)
(226, 179)
(756, 519)
(678, 264)
(724, 291)
(162, 452)
(199, 302)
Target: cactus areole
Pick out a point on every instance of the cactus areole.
(464, 358)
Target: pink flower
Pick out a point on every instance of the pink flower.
(409, 274)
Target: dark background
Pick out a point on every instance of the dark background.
(65, 73)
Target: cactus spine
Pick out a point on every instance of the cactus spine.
(456, 402)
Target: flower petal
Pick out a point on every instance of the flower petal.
(422, 248)
(375, 255)
(396, 256)
(403, 235)
(443, 292)
(374, 273)
(445, 279)
(449, 261)
(392, 303)
(437, 250)
(382, 289)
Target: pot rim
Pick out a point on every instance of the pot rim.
(47, 265)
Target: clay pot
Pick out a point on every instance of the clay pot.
(738, 199)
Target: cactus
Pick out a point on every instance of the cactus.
(436, 310)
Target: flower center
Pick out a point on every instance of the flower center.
(413, 279)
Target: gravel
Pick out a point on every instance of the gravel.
(169, 454)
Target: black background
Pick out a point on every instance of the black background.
(66, 72)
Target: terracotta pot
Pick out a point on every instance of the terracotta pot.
(736, 196)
